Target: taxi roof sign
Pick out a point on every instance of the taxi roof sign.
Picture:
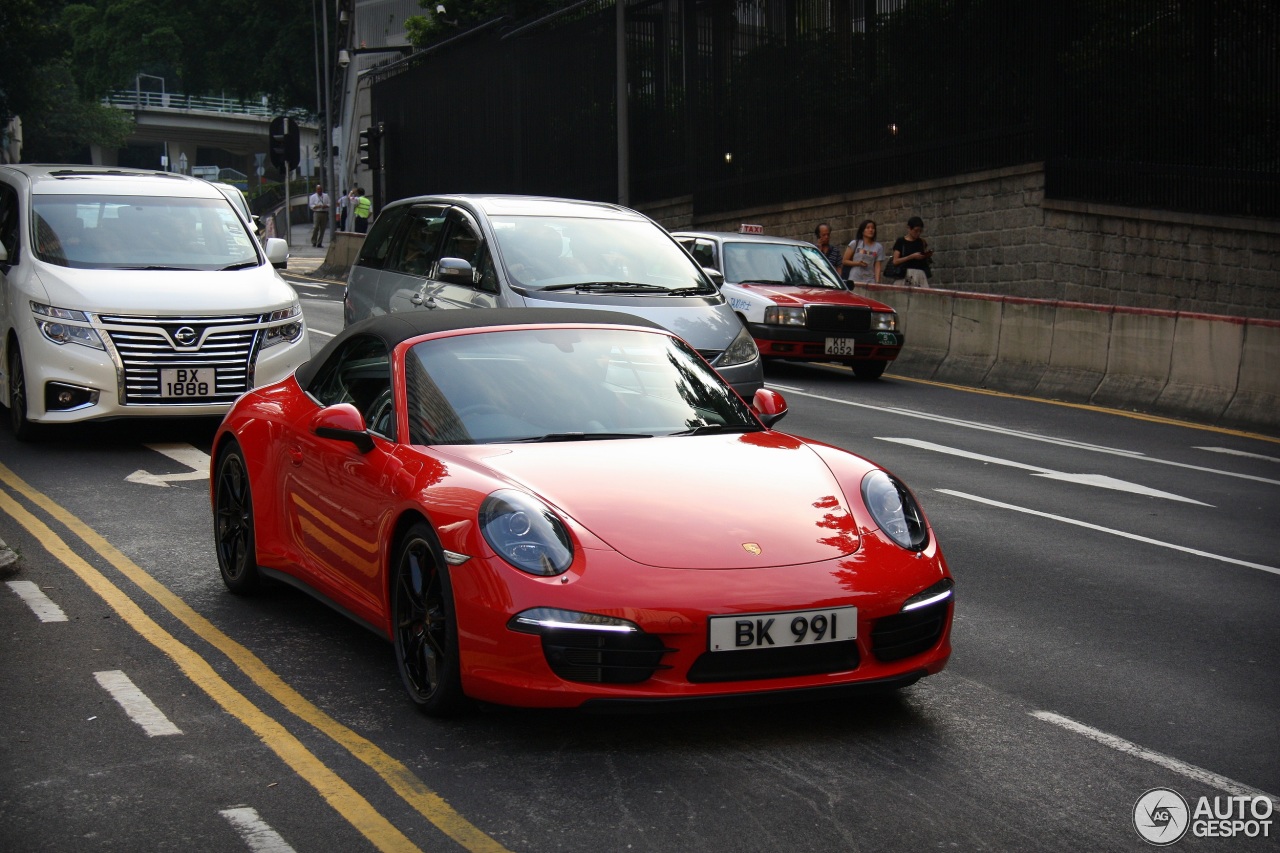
(750, 229)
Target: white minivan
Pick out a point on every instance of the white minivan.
(129, 293)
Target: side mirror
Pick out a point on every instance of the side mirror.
(717, 277)
(454, 269)
(277, 252)
(343, 422)
(769, 406)
(4, 254)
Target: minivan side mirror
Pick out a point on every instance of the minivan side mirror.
(454, 269)
(4, 254)
(277, 252)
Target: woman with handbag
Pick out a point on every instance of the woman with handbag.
(911, 253)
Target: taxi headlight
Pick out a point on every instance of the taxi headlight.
(742, 350)
(895, 510)
(780, 316)
(526, 533)
(884, 321)
(65, 326)
(284, 326)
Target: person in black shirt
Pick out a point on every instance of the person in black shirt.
(912, 253)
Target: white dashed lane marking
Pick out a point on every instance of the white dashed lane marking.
(256, 832)
(40, 604)
(136, 704)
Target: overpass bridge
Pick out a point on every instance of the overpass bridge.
(179, 132)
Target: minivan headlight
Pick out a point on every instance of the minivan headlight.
(65, 326)
(742, 350)
(284, 326)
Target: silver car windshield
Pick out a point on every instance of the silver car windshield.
(564, 385)
(604, 255)
(778, 263)
(140, 232)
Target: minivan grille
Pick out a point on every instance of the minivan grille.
(223, 346)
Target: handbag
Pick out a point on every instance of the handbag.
(892, 271)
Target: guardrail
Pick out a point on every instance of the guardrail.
(1204, 367)
(132, 99)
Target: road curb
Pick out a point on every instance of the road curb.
(8, 560)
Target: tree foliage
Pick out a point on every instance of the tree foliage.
(447, 18)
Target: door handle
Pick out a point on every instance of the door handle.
(295, 455)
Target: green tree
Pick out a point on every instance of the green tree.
(446, 18)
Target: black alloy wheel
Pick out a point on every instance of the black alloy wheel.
(233, 523)
(426, 629)
(23, 429)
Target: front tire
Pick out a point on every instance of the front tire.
(233, 523)
(869, 369)
(426, 627)
(23, 429)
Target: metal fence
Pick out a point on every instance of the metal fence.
(1156, 103)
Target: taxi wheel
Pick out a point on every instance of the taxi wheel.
(869, 369)
(23, 429)
(426, 628)
(233, 523)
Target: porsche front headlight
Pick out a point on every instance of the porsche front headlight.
(895, 510)
(526, 533)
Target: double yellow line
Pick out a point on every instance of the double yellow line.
(353, 807)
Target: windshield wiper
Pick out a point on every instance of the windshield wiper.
(576, 436)
(765, 281)
(240, 266)
(610, 287)
(160, 267)
(704, 429)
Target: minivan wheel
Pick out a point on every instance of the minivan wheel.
(23, 429)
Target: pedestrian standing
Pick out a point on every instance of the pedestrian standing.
(343, 211)
(864, 257)
(319, 204)
(832, 253)
(363, 209)
(912, 253)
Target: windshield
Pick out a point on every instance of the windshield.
(778, 263)
(140, 232)
(608, 255)
(564, 385)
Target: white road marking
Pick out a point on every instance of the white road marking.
(1231, 452)
(1099, 480)
(40, 604)
(136, 704)
(321, 334)
(256, 832)
(1198, 774)
(183, 454)
(1095, 448)
(1272, 569)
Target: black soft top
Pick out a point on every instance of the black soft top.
(394, 328)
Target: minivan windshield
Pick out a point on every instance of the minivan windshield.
(624, 256)
(140, 232)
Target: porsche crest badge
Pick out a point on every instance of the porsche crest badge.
(751, 548)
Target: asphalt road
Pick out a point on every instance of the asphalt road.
(1116, 630)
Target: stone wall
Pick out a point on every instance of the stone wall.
(994, 232)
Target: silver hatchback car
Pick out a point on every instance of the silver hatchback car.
(494, 251)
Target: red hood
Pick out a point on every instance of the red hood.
(784, 295)
(690, 502)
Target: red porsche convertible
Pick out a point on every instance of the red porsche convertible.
(560, 508)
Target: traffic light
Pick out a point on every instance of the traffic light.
(284, 143)
(371, 147)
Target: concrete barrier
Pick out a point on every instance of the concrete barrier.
(1202, 367)
(344, 248)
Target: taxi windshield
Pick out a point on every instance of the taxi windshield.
(545, 385)
(778, 263)
(140, 232)
(606, 255)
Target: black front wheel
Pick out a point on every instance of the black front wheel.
(23, 429)
(869, 369)
(233, 523)
(426, 628)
